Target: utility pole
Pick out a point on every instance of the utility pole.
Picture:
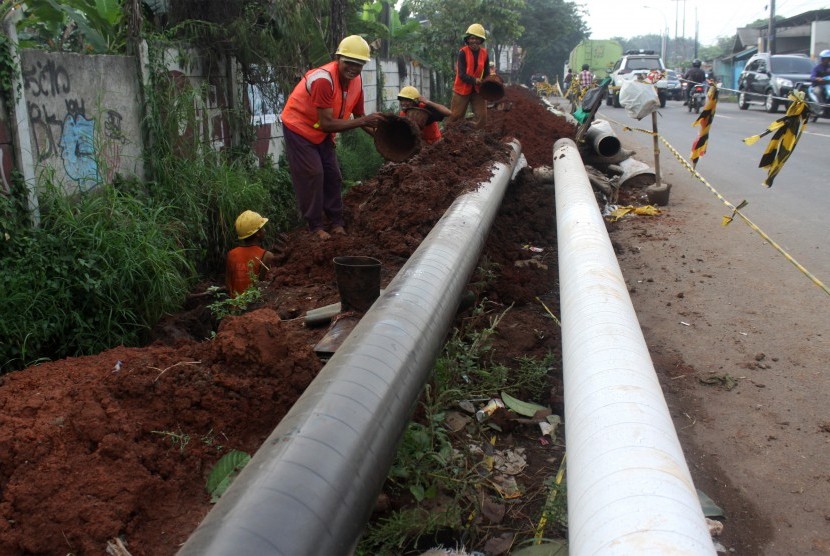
(771, 29)
(697, 30)
(676, 41)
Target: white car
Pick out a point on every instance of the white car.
(636, 63)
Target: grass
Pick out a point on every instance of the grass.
(431, 464)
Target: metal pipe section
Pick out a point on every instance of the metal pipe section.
(602, 138)
(311, 487)
(629, 489)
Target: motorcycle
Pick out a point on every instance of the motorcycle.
(817, 108)
(697, 98)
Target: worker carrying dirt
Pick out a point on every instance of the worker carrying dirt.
(249, 259)
(410, 98)
(319, 107)
(472, 65)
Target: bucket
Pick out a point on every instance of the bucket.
(418, 115)
(397, 138)
(358, 282)
(491, 88)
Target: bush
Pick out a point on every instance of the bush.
(359, 160)
(99, 272)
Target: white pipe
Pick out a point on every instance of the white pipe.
(629, 489)
(311, 486)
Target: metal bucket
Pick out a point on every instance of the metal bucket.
(492, 88)
(358, 282)
(397, 138)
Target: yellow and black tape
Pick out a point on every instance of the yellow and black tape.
(736, 210)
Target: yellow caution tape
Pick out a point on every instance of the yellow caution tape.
(786, 132)
(705, 122)
(735, 209)
(540, 529)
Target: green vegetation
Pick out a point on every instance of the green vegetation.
(224, 472)
(97, 272)
(358, 158)
(225, 306)
(443, 477)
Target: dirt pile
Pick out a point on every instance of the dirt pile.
(119, 444)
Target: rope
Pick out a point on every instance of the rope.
(736, 210)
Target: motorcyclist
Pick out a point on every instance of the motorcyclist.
(821, 76)
(693, 76)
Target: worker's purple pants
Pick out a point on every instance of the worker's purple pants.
(315, 175)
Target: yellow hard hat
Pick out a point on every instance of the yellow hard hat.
(409, 92)
(248, 223)
(355, 48)
(476, 30)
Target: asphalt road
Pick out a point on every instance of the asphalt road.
(794, 211)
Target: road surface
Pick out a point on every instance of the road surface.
(718, 304)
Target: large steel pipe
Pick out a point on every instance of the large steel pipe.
(602, 138)
(311, 487)
(629, 489)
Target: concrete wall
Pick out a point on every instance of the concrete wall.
(819, 37)
(84, 114)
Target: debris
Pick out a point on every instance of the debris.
(117, 366)
(496, 546)
(455, 421)
(510, 462)
(488, 409)
(726, 380)
(522, 408)
(685, 323)
(528, 247)
(116, 547)
(467, 406)
(710, 509)
(531, 262)
(618, 212)
(506, 487)
(715, 527)
(492, 511)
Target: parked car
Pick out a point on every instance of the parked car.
(674, 90)
(768, 78)
(633, 63)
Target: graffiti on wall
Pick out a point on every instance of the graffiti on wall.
(88, 146)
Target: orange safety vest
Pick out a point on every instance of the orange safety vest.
(465, 88)
(300, 114)
(431, 132)
(240, 264)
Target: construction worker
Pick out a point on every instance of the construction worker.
(409, 97)
(250, 258)
(320, 106)
(471, 67)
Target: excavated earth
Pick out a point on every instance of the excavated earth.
(118, 445)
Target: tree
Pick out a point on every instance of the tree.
(552, 28)
(441, 36)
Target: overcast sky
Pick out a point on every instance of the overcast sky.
(715, 18)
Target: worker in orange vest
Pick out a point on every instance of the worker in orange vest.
(250, 261)
(409, 97)
(472, 65)
(320, 106)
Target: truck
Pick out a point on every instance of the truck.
(600, 56)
